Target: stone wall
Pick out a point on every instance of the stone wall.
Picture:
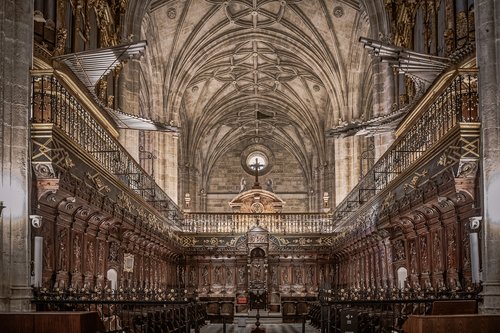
(289, 181)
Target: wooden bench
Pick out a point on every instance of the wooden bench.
(50, 322)
(477, 323)
(452, 307)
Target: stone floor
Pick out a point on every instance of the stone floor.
(269, 328)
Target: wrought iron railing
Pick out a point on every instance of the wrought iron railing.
(53, 103)
(134, 310)
(457, 103)
(290, 223)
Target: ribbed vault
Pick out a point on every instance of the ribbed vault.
(229, 72)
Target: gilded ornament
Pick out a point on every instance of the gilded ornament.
(61, 36)
(124, 201)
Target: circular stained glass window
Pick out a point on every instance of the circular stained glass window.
(257, 161)
(257, 157)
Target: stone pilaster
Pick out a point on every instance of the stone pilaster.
(16, 38)
(488, 57)
(383, 99)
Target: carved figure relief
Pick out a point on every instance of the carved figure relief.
(284, 275)
(63, 255)
(466, 248)
(241, 274)
(182, 273)
(269, 185)
(399, 250)
(298, 275)
(452, 248)
(424, 257)
(113, 252)
(191, 276)
(204, 275)
(413, 258)
(217, 275)
(100, 256)
(47, 252)
(257, 272)
(274, 278)
(384, 262)
(310, 275)
(90, 256)
(436, 246)
(77, 253)
(243, 184)
(258, 238)
(229, 275)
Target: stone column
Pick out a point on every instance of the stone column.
(16, 38)
(488, 58)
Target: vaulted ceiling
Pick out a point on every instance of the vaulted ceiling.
(228, 71)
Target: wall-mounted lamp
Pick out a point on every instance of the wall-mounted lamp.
(1, 207)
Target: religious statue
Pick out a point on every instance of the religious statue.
(191, 276)
(217, 274)
(243, 184)
(182, 273)
(284, 275)
(269, 185)
(310, 275)
(241, 274)
(257, 272)
(113, 251)
(298, 275)
(204, 275)
(229, 276)
(273, 276)
(399, 250)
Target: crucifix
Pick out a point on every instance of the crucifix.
(256, 166)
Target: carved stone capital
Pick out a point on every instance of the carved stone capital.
(467, 168)
(46, 178)
(475, 223)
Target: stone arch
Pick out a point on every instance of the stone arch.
(402, 277)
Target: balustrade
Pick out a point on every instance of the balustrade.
(456, 104)
(291, 223)
(53, 103)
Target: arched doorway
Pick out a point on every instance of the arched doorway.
(112, 277)
(402, 274)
